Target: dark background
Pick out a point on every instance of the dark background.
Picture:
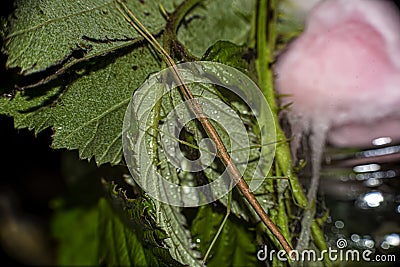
(30, 177)
(30, 174)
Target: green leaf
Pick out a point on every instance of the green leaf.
(216, 20)
(131, 236)
(45, 33)
(89, 236)
(31, 111)
(179, 242)
(169, 218)
(86, 110)
(91, 111)
(88, 115)
(119, 245)
(75, 230)
(235, 245)
(228, 53)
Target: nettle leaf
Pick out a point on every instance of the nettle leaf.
(119, 245)
(181, 246)
(45, 33)
(31, 111)
(103, 96)
(243, 137)
(169, 218)
(129, 232)
(235, 245)
(103, 60)
(88, 115)
(149, 158)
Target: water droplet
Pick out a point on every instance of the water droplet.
(8, 95)
(369, 243)
(373, 182)
(355, 237)
(339, 224)
(385, 245)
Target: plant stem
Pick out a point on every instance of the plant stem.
(265, 35)
(174, 20)
(265, 45)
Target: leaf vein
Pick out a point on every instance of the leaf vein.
(114, 107)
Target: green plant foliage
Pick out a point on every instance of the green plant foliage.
(237, 132)
(228, 53)
(120, 246)
(217, 20)
(90, 43)
(105, 64)
(235, 245)
(75, 230)
(31, 110)
(88, 114)
(135, 236)
(169, 218)
(78, 63)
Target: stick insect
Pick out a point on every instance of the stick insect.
(196, 108)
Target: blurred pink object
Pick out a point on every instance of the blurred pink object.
(342, 74)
